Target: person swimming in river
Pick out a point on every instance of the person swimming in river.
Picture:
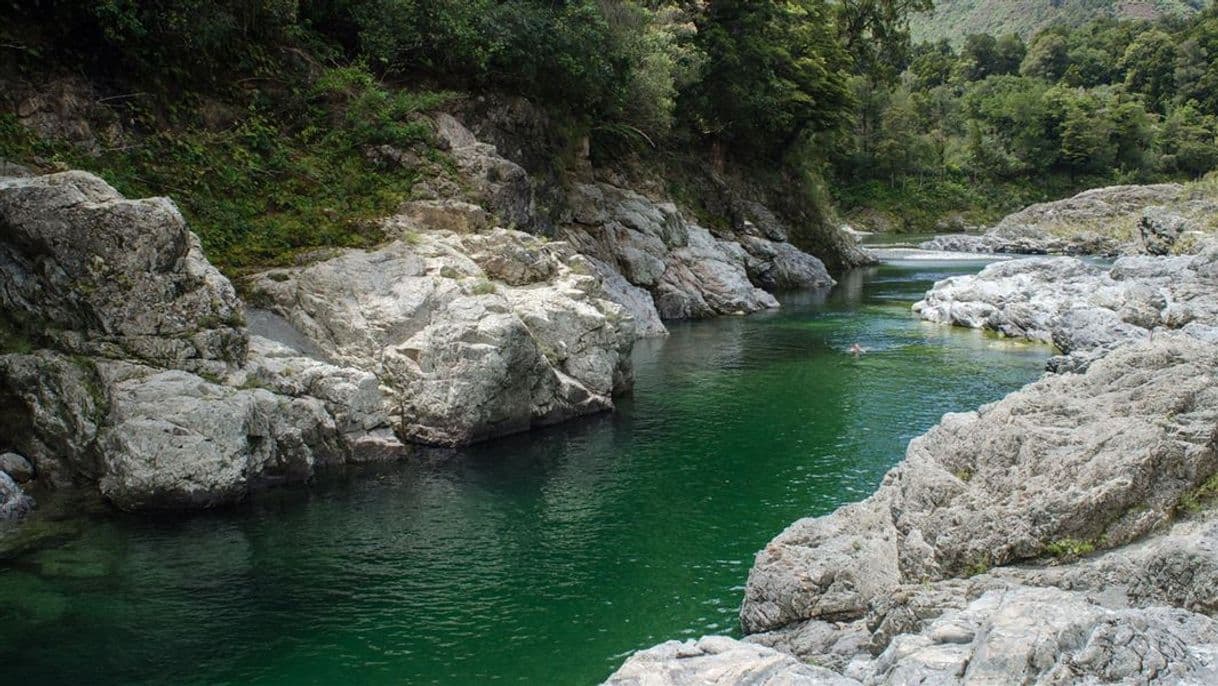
(857, 350)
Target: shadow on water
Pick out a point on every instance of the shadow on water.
(543, 557)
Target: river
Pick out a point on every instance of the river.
(540, 558)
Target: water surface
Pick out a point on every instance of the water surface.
(541, 558)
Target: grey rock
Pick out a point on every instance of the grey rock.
(1084, 310)
(1101, 221)
(1160, 228)
(1050, 636)
(985, 488)
(14, 503)
(688, 271)
(500, 185)
(473, 336)
(707, 277)
(721, 661)
(100, 274)
(17, 467)
(446, 215)
(781, 266)
(53, 406)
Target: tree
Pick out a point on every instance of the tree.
(876, 33)
(774, 71)
(1149, 64)
(1085, 145)
(1047, 58)
(1188, 141)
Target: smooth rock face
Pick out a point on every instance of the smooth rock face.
(719, 661)
(475, 335)
(96, 273)
(1147, 220)
(1129, 439)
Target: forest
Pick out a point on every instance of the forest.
(832, 94)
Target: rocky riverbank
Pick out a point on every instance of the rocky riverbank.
(131, 365)
(1159, 219)
(1065, 534)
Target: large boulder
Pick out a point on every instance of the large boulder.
(475, 335)
(92, 272)
(1101, 221)
(1101, 458)
(141, 381)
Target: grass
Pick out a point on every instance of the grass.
(1199, 498)
(1069, 548)
(482, 287)
(287, 177)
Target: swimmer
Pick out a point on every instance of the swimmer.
(857, 350)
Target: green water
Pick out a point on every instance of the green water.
(542, 558)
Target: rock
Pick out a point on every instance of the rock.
(1084, 310)
(1159, 229)
(98, 274)
(14, 503)
(1101, 221)
(707, 277)
(720, 661)
(17, 467)
(51, 408)
(689, 272)
(500, 185)
(145, 389)
(174, 440)
(1003, 484)
(446, 215)
(1050, 636)
(464, 357)
(351, 396)
(782, 266)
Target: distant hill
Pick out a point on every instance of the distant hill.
(954, 19)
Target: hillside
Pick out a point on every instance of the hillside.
(955, 19)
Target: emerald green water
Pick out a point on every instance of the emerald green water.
(541, 558)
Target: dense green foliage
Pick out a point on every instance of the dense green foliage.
(955, 19)
(983, 128)
(261, 117)
(272, 183)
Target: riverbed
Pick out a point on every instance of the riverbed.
(541, 558)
